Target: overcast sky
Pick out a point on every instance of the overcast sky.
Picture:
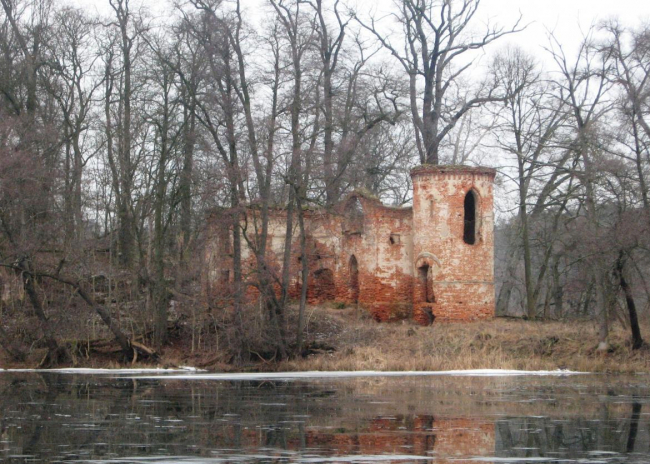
(565, 17)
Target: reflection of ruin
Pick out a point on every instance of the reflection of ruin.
(433, 260)
(418, 435)
(443, 440)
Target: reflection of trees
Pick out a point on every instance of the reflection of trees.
(634, 427)
(45, 412)
(570, 438)
(121, 417)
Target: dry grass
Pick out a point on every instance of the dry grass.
(497, 344)
(345, 340)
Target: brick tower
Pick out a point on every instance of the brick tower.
(453, 243)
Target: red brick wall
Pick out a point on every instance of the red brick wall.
(463, 274)
(385, 283)
(389, 245)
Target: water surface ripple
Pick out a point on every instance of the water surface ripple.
(80, 418)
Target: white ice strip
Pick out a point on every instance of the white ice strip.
(347, 374)
(289, 457)
(366, 458)
(518, 460)
(89, 371)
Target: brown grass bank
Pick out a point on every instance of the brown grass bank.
(345, 341)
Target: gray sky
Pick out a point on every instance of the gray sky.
(567, 19)
(564, 17)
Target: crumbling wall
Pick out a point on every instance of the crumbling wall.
(383, 253)
(433, 261)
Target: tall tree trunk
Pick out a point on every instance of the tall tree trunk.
(185, 182)
(304, 274)
(637, 340)
(160, 292)
(531, 301)
(558, 291)
(509, 281)
(124, 171)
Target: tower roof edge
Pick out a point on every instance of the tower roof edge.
(452, 169)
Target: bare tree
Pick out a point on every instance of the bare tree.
(128, 28)
(75, 53)
(435, 50)
(630, 54)
(528, 129)
(583, 86)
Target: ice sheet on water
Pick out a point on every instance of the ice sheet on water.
(260, 457)
(348, 374)
(91, 371)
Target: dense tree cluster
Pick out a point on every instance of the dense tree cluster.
(578, 140)
(121, 134)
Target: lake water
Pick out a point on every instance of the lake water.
(50, 417)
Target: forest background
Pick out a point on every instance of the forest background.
(120, 132)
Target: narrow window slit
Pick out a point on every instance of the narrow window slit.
(469, 229)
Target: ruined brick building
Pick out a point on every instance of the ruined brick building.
(433, 260)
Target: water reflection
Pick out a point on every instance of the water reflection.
(63, 418)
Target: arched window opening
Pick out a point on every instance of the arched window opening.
(323, 285)
(426, 284)
(354, 279)
(469, 230)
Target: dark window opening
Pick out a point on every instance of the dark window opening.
(469, 230)
(426, 284)
(323, 286)
(354, 279)
(225, 245)
(224, 278)
(354, 217)
(394, 239)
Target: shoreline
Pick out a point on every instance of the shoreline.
(190, 373)
(341, 341)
